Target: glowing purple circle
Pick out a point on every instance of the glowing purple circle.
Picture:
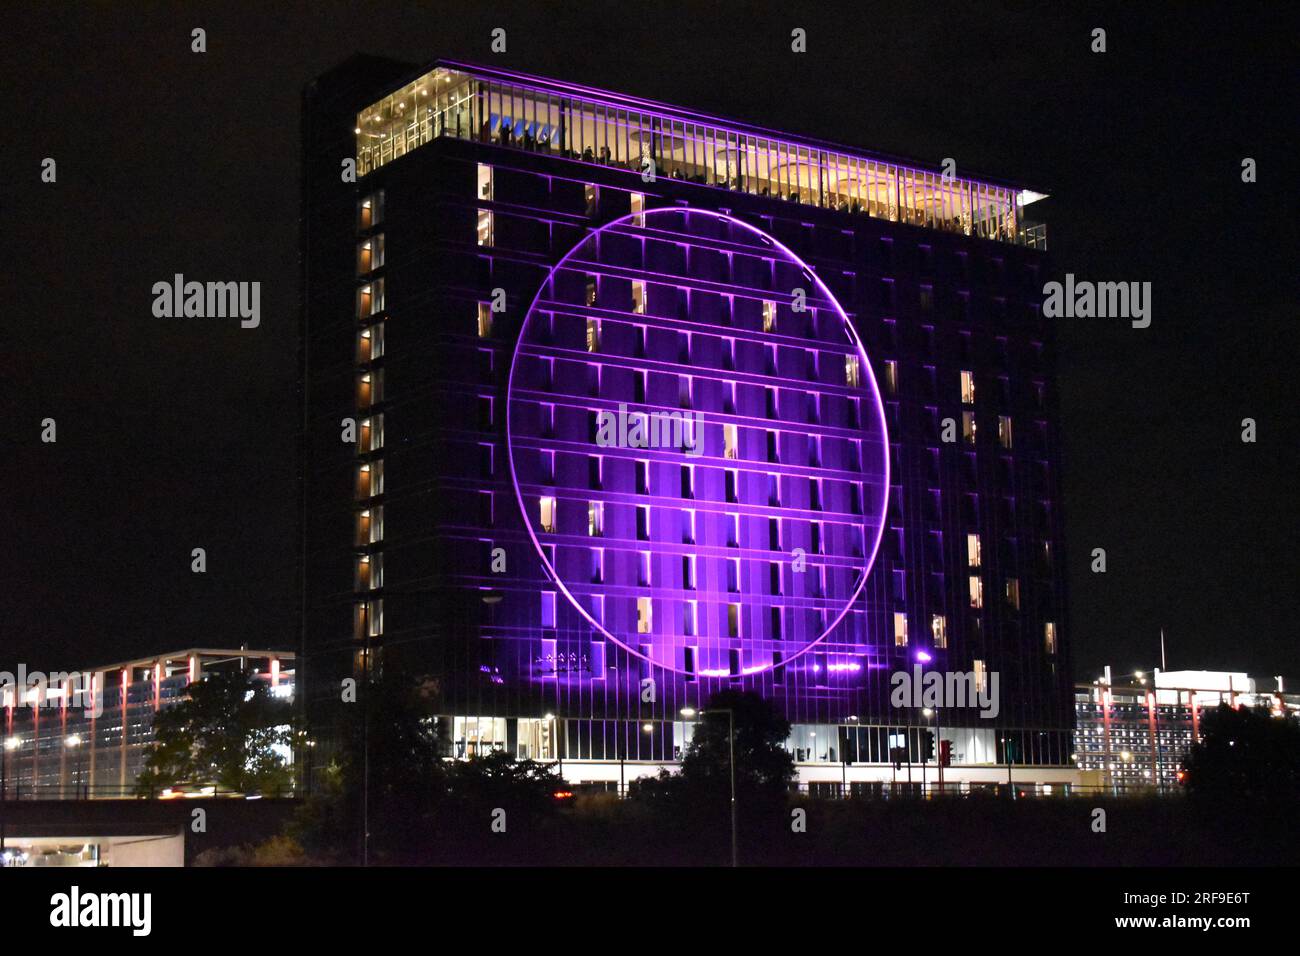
(551, 355)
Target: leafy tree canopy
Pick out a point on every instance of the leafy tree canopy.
(763, 764)
(1245, 755)
(229, 732)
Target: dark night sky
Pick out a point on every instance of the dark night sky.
(179, 433)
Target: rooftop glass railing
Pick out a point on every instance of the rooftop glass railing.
(562, 121)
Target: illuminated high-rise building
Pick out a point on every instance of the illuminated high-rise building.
(650, 404)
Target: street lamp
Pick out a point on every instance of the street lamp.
(690, 712)
(11, 743)
(74, 741)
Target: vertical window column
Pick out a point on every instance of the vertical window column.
(368, 611)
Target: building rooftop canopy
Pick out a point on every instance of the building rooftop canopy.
(647, 137)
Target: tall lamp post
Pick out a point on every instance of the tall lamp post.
(73, 741)
(11, 743)
(555, 742)
(688, 713)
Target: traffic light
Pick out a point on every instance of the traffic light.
(928, 745)
(898, 755)
(945, 753)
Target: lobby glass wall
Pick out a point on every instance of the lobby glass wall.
(449, 103)
(832, 744)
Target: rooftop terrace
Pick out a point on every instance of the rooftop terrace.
(648, 138)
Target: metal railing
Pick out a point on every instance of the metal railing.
(28, 793)
(831, 790)
(462, 125)
(1033, 235)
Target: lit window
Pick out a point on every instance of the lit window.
(370, 254)
(900, 629)
(593, 335)
(484, 320)
(372, 433)
(592, 196)
(969, 427)
(1013, 593)
(976, 591)
(733, 620)
(644, 615)
(371, 210)
(371, 479)
(981, 677)
(769, 316)
(730, 444)
(891, 377)
(485, 227)
(638, 207)
(485, 182)
(595, 519)
(939, 630)
(1049, 637)
(967, 388)
(547, 514)
(973, 550)
(638, 297)
(1004, 431)
(370, 343)
(370, 298)
(851, 371)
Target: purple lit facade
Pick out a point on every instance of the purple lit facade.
(734, 554)
(820, 312)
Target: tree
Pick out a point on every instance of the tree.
(690, 809)
(389, 759)
(763, 764)
(229, 733)
(421, 806)
(1245, 755)
(496, 777)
